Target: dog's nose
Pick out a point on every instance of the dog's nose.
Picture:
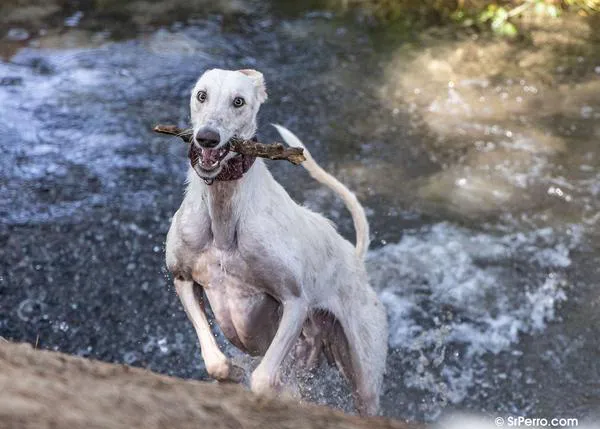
(207, 137)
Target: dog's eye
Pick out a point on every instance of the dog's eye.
(201, 96)
(238, 102)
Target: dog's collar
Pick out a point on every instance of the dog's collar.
(234, 169)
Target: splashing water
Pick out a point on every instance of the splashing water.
(454, 296)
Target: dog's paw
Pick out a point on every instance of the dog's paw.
(224, 370)
(265, 384)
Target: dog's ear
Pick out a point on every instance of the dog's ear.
(259, 81)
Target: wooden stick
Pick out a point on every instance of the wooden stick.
(274, 151)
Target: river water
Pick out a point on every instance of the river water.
(477, 161)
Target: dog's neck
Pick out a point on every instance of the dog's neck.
(226, 200)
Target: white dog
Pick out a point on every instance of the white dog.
(278, 277)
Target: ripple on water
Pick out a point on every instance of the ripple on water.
(31, 310)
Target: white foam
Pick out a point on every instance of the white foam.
(454, 295)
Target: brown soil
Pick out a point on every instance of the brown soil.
(42, 389)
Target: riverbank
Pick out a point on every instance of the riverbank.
(41, 389)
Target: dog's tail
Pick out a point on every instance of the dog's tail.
(361, 225)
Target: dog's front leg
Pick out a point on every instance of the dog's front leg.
(217, 364)
(264, 377)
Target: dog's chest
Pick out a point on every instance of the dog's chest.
(247, 315)
(222, 269)
(246, 273)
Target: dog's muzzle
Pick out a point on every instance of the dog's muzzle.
(207, 137)
(209, 155)
(208, 163)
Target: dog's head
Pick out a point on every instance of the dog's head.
(224, 104)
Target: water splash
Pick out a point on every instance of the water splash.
(454, 296)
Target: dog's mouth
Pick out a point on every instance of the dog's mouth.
(218, 163)
(208, 159)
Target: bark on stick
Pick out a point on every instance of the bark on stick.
(274, 151)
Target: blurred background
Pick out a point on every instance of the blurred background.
(469, 129)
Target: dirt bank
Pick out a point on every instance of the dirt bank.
(42, 389)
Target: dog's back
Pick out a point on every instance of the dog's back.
(361, 225)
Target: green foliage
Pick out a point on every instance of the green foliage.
(499, 16)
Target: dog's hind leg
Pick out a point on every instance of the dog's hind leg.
(309, 348)
(217, 364)
(358, 343)
(264, 377)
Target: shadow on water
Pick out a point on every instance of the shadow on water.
(476, 159)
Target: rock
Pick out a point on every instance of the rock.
(17, 35)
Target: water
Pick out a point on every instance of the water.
(476, 159)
